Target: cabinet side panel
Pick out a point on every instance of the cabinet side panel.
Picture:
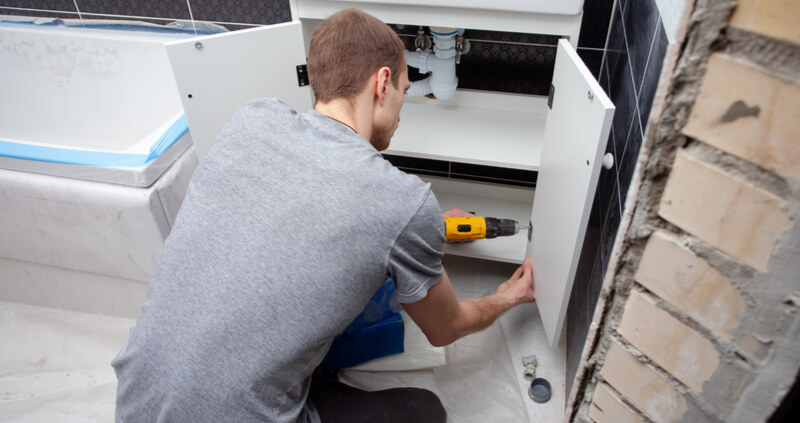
(576, 127)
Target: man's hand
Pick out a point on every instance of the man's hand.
(456, 213)
(443, 318)
(519, 289)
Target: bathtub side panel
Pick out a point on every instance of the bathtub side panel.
(80, 225)
(64, 289)
(171, 187)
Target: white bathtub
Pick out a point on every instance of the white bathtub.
(91, 104)
(95, 157)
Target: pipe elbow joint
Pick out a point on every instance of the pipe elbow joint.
(419, 60)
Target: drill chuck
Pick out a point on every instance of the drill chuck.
(500, 227)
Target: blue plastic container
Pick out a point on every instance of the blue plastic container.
(376, 332)
(374, 341)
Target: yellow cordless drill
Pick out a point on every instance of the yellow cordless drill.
(476, 227)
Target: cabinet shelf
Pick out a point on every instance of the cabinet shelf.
(491, 129)
(490, 200)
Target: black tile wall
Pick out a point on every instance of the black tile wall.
(620, 77)
(493, 174)
(647, 89)
(498, 175)
(241, 11)
(526, 69)
(420, 166)
(594, 29)
(499, 61)
(627, 158)
(592, 59)
(39, 13)
(606, 184)
(616, 49)
(62, 5)
(594, 24)
(61, 9)
(634, 55)
(640, 20)
(167, 9)
(234, 14)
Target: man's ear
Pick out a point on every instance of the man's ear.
(382, 83)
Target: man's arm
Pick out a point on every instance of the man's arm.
(444, 319)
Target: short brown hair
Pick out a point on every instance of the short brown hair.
(346, 49)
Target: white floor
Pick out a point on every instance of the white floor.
(54, 365)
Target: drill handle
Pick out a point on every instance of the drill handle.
(465, 228)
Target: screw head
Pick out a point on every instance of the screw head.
(198, 45)
(590, 95)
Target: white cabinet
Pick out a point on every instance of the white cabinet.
(561, 17)
(563, 141)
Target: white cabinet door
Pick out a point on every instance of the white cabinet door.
(575, 134)
(217, 74)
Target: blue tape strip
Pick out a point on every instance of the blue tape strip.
(177, 130)
(38, 153)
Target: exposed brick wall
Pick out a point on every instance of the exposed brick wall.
(698, 319)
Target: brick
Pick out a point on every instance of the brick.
(773, 18)
(607, 407)
(756, 121)
(671, 344)
(732, 215)
(686, 281)
(642, 386)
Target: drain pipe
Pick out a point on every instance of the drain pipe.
(441, 64)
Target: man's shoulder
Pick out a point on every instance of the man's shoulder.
(401, 181)
(269, 104)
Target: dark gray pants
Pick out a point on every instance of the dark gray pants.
(339, 403)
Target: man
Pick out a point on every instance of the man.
(289, 226)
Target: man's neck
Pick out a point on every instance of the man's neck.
(352, 115)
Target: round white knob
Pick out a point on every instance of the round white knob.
(608, 160)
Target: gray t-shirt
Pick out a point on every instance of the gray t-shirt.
(290, 224)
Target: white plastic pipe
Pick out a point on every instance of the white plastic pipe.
(441, 65)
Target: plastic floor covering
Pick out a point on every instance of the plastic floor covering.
(55, 368)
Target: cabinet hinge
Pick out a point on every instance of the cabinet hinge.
(302, 75)
(550, 96)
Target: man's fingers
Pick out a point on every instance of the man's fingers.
(526, 269)
(518, 273)
(456, 213)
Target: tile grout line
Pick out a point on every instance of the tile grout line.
(628, 137)
(191, 17)
(608, 38)
(617, 159)
(650, 52)
(659, 24)
(75, 2)
(617, 4)
(636, 112)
